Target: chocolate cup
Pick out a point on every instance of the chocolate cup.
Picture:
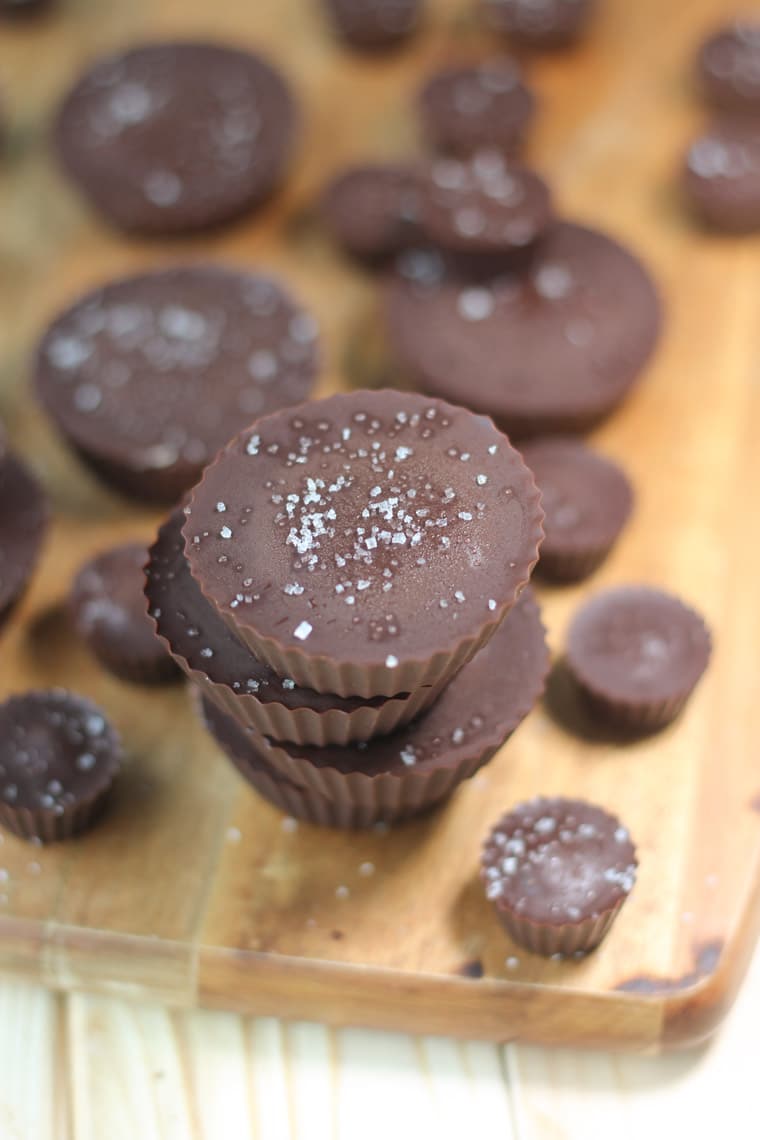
(146, 431)
(24, 516)
(286, 713)
(175, 163)
(554, 350)
(503, 519)
(501, 108)
(723, 189)
(366, 27)
(82, 791)
(108, 609)
(299, 801)
(558, 871)
(539, 27)
(423, 763)
(637, 654)
(587, 500)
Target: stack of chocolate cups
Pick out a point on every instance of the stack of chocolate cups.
(345, 590)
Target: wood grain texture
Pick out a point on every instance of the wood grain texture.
(191, 891)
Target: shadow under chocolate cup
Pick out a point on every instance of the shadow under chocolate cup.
(225, 671)
(368, 544)
(396, 776)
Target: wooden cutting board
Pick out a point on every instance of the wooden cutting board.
(193, 891)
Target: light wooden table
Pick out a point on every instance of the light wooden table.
(94, 1068)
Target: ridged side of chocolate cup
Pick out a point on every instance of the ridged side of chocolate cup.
(301, 802)
(632, 717)
(397, 788)
(565, 939)
(304, 725)
(326, 675)
(43, 826)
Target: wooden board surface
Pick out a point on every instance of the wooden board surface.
(192, 890)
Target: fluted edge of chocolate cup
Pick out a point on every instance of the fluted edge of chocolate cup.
(633, 716)
(387, 795)
(300, 802)
(353, 800)
(303, 726)
(307, 726)
(565, 938)
(42, 825)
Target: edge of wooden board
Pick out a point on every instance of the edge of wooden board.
(665, 1013)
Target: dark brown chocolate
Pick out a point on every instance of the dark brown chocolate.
(21, 8)
(586, 499)
(637, 653)
(110, 614)
(366, 544)
(486, 107)
(58, 759)
(558, 871)
(374, 25)
(554, 350)
(372, 210)
(484, 205)
(226, 671)
(721, 174)
(394, 776)
(174, 137)
(150, 375)
(728, 67)
(539, 24)
(24, 517)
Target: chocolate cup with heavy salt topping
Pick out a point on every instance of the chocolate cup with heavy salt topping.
(372, 210)
(721, 175)
(109, 612)
(367, 544)
(542, 27)
(728, 67)
(59, 757)
(374, 25)
(558, 871)
(551, 351)
(24, 517)
(464, 110)
(396, 776)
(148, 376)
(484, 205)
(636, 654)
(226, 672)
(170, 138)
(587, 500)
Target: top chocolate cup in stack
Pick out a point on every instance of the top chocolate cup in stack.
(366, 544)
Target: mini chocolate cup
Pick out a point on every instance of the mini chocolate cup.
(223, 668)
(636, 654)
(77, 756)
(587, 500)
(395, 776)
(109, 611)
(558, 871)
